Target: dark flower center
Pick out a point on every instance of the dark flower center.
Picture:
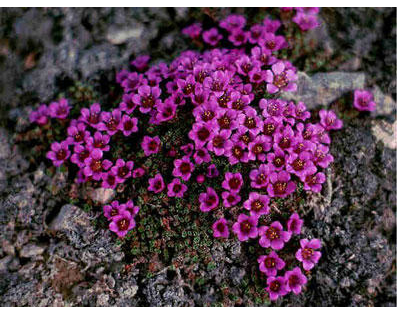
(128, 125)
(147, 102)
(268, 129)
(280, 80)
(245, 226)
(284, 143)
(307, 253)
(185, 168)
(220, 227)
(203, 134)
(114, 212)
(237, 151)
(246, 67)
(188, 89)
(83, 155)
(280, 187)
(223, 100)
(112, 124)
(293, 280)
(224, 122)
(250, 123)
(311, 180)
(211, 199)
(96, 165)
(258, 149)
(261, 178)
(245, 138)
(256, 205)
(272, 233)
(279, 161)
(123, 224)
(231, 198)
(218, 141)
(238, 105)
(122, 172)
(157, 185)
(61, 154)
(79, 136)
(363, 102)
(234, 183)
(298, 164)
(270, 262)
(93, 118)
(270, 44)
(264, 58)
(177, 188)
(153, 145)
(207, 115)
(307, 135)
(111, 179)
(275, 286)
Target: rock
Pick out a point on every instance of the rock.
(385, 105)
(120, 36)
(323, 88)
(4, 262)
(102, 195)
(385, 132)
(31, 250)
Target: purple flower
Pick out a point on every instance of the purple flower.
(128, 125)
(270, 264)
(108, 180)
(112, 210)
(212, 171)
(99, 140)
(256, 32)
(233, 182)
(217, 143)
(329, 120)
(273, 108)
(110, 121)
(138, 172)
(272, 42)
(277, 159)
(305, 21)
(60, 109)
(122, 223)
(271, 26)
(91, 116)
(246, 227)
(201, 155)
(141, 62)
(260, 177)
(151, 145)
(235, 152)
(176, 188)
(59, 153)
(321, 157)
(200, 179)
(300, 111)
(212, 37)
(294, 280)
(166, 111)
(232, 22)
(295, 224)
(132, 82)
(187, 149)
(201, 133)
(258, 147)
(250, 121)
(263, 55)
(208, 200)
(257, 204)
(77, 134)
(156, 184)
(127, 105)
(122, 170)
(280, 184)
(183, 168)
(226, 119)
(80, 154)
(273, 236)
(300, 164)
(280, 78)
(94, 165)
(193, 31)
(220, 228)
(363, 100)
(307, 254)
(131, 208)
(238, 37)
(285, 138)
(230, 199)
(147, 98)
(313, 182)
(40, 116)
(186, 86)
(276, 287)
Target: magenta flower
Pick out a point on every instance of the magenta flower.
(187, 149)
(363, 100)
(176, 188)
(156, 184)
(166, 111)
(285, 138)
(260, 177)
(79, 155)
(212, 36)
(321, 157)
(151, 145)
(281, 78)
(257, 204)
(271, 26)
(232, 22)
(300, 111)
(183, 168)
(273, 236)
(128, 125)
(122, 170)
(141, 62)
(201, 133)
(278, 159)
(91, 116)
(307, 254)
(138, 172)
(301, 164)
(217, 143)
(226, 119)
(208, 200)
(280, 184)
(305, 21)
(245, 227)
(276, 287)
(108, 180)
(329, 120)
(200, 179)
(230, 199)
(270, 264)
(273, 108)
(112, 210)
(238, 37)
(122, 223)
(95, 166)
(233, 182)
(132, 82)
(110, 121)
(258, 148)
(193, 31)
(77, 134)
(263, 55)
(131, 208)
(212, 171)
(294, 280)
(256, 32)
(250, 121)
(272, 42)
(147, 98)
(220, 228)
(243, 137)
(59, 153)
(295, 224)
(99, 140)
(60, 109)
(40, 116)
(235, 152)
(127, 105)
(313, 182)
(201, 155)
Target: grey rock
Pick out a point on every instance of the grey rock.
(102, 195)
(31, 250)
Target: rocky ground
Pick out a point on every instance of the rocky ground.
(53, 254)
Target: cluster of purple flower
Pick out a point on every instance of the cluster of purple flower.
(234, 117)
(305, 18)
